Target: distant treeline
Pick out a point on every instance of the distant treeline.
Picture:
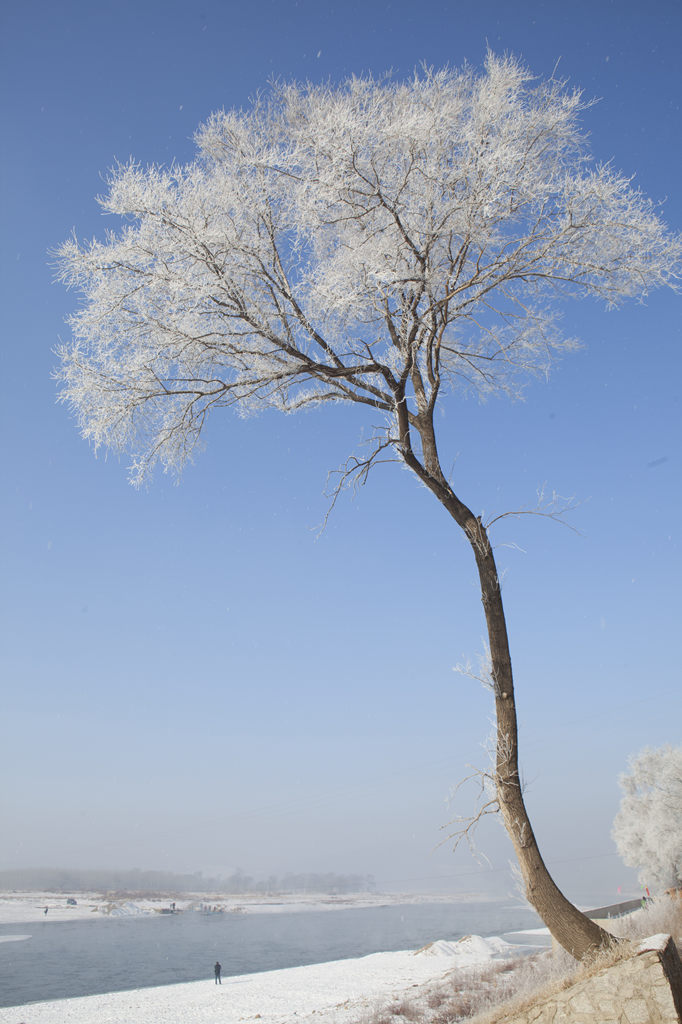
(63, 880)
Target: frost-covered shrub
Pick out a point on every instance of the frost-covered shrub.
(648, 827)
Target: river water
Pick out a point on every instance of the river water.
(56, 960)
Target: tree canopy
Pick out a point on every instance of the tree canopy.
(380, 242)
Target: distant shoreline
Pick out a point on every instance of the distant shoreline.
(30, 906)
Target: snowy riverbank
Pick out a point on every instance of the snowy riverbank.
(342, 992)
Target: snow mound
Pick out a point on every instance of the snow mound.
(469, 949)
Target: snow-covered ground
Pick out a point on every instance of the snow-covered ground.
(342, 992)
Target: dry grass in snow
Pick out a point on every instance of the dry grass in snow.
(480, 995)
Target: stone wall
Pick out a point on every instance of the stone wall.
(645, 988)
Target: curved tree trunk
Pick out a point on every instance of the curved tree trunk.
(572, 929)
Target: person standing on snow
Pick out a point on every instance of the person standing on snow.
(216, 970)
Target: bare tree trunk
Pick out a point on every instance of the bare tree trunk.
(572, 929)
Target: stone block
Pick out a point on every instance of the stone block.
(644, 988)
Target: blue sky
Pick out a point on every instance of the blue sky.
(192, 677)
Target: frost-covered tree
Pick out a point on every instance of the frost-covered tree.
(648, 827)
(389, 244)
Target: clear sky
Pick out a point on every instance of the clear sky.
(192, 677)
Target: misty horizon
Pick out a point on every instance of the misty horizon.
(60, 879)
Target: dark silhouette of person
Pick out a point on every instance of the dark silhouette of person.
(216, 970)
